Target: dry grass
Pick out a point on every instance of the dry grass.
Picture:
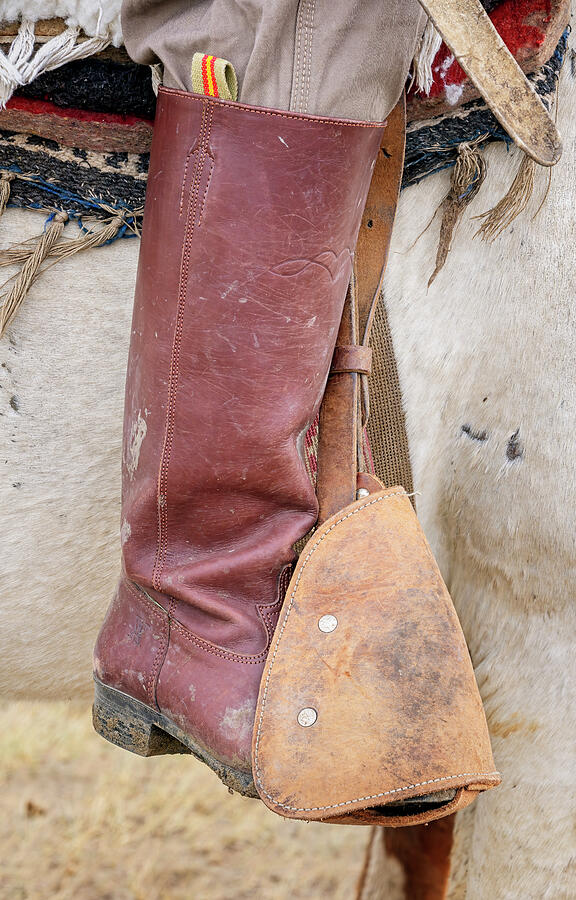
(82, 819)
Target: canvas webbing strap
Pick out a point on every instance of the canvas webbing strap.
(345, 407)
(214, 77)
(387, 423)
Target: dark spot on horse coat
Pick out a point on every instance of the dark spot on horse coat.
(15, 403)
(474, 435)
(515, 448)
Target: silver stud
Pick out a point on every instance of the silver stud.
(327, 624)
(362, 493)
(307, 717)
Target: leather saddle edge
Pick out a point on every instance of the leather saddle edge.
(468, 31)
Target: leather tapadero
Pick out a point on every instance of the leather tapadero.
(398, 713)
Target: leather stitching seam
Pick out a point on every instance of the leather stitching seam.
(269, 615)
(140, 596)
(189, 635)
(257, 773)
(160, 653)
(408, 787)
(217, 651)
(161, 499)
(160, 657)
(195, 209)
(320, 120)
(185, 179)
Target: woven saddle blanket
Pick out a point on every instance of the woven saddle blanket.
(77, 116)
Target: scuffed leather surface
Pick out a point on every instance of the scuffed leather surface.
(251, 220)
(132, 644)
(399, 713)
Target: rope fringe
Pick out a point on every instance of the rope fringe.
(20, 253)
(428, 47)
(35, 251)
(466, 180)
(30, 270)
(497, 219)
(6, 179)
(21, 65)
(157, 76)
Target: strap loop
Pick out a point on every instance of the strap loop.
(352, 358)
(214, 77)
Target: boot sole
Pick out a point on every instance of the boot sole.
(132, 725)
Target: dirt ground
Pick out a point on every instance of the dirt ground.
(82, 819)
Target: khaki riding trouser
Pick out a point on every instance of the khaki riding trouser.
(346, 58)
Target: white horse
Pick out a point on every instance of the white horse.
(486, 360)
(487, 367)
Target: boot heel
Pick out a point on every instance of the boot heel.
(130, 724)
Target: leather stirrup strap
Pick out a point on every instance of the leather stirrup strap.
(345, 407)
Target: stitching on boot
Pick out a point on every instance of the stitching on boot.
(257, 772)
(185, 179)
(161, 656)
(214, 649)
(218, 651)
(195, 209)
(161, 652)
(310, 119)
(270, 612)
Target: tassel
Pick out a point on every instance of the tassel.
(30, 270)
(63, 48)
(497, 219)
(22, 252)
(467, 177)
(428, 47)
(89, 240)
(5, 180)
(21, 65)
(157, 75)
(22, 46)
(20, 49)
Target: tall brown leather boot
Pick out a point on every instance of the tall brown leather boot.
(251, 220)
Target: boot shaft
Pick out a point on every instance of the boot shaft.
(251, 221)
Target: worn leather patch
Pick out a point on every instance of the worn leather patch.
(368, 696)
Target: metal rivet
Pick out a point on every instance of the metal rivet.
(307, 717)
(327, 624)
(362, 493)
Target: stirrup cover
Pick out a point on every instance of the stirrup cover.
(369, 710)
